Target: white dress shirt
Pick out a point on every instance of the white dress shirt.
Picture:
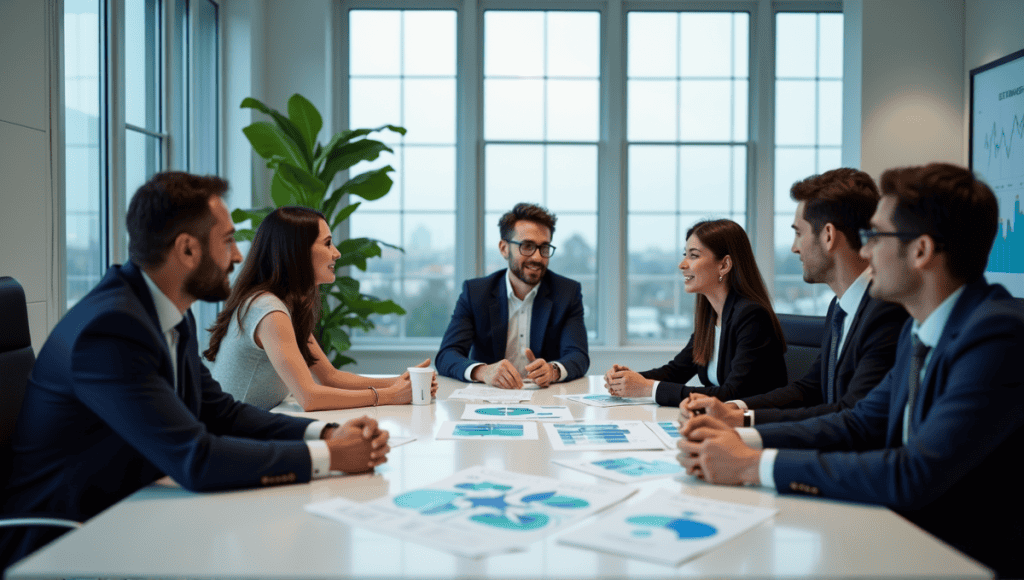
(169, 316)
(520, 314)
(927, 332)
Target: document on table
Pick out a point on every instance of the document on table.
(602, 436)
(516, 413)
(667, 431)
(667, 528)
(490, 395)
(477, 511)
(628, 467)
(602, 400)
(504, 431)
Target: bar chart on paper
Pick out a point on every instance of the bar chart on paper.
(997, 157)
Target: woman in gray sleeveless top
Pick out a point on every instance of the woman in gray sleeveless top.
(254, 350)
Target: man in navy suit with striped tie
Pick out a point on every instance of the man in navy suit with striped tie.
(938, 438)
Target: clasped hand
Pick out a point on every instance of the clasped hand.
(623, 382)
(713, 451)
(503, 374)
(698, 404)
(358, 445)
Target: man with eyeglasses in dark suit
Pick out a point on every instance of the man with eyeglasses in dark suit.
(937, 439)
(520, 323)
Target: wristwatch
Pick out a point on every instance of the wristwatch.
(328, 426)
(748, 418)
(558, 373)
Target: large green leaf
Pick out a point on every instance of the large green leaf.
(355, 251)
(269, 141)
(256, 215)
(305, 116)
(282, 192)
(370, 185)
(347, 155)
(343, 214)
(284, 123)
(309, 189)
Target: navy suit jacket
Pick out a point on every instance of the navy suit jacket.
(868, 354)
(101, 418)
(478, 331)
(953, 477)
(750, 358)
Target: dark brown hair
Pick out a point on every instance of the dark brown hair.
(948, 203)
(169, 204)
(726, 238)
(280, 261)
(525, 211)
(844, 197)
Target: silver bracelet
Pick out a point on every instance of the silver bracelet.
(376, 396)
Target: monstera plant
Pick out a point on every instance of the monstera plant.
(303, 171)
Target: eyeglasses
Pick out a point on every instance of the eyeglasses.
(528, 248)
(867, 236)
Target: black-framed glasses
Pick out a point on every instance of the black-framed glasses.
(528, 248)
(866, 236)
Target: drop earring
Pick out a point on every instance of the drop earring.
(719, 278)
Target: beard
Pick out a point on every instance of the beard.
(209, 282)
(531, 277)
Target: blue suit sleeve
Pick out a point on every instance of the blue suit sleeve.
(575, 352)
(452, 358)
(115, 365)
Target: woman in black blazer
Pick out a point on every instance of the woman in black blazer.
(719, 267)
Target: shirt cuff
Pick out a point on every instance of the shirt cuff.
(654, 390)
(314, 430)
(320, 458)
(561, 371)
(751, 437)
(469, 372)
(766, 468)
(743, 406)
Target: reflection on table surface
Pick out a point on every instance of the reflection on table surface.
(165, 531)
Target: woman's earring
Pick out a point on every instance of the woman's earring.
(719, 278)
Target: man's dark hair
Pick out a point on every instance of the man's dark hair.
(525, 211)
(844, 197)
(948, 203)
(169, 204)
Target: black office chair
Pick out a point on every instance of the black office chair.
(16, 359)
(803, 342)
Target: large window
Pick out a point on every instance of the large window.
(687, 89)
(808, 136)
(133, 107)
(629, 121)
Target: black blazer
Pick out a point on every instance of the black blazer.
(101, 418)
(750, 359)
(867, 355)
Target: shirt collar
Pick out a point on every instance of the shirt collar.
(853, 295)
(166, 312)
(930, 331)
(511, 293)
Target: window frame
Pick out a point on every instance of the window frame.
(611, 250)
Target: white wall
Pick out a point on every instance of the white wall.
(993, 30)
(27, 228)
(912, 89)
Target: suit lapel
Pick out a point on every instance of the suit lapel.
(858, 316)
(725, 352)
(499, 316)
(542, 306)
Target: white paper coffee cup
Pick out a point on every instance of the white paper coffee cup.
(420, 378)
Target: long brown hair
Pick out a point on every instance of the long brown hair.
(280, 261)
(726, 238)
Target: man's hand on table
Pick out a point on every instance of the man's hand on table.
(698, 404)
(540, 371)
(500, 374)
(358, 445)
(714, 452)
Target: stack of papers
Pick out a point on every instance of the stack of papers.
(490, 395)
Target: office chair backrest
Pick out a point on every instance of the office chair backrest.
(16, 359)
(803, 342)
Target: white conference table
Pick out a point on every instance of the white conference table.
(165, 531)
